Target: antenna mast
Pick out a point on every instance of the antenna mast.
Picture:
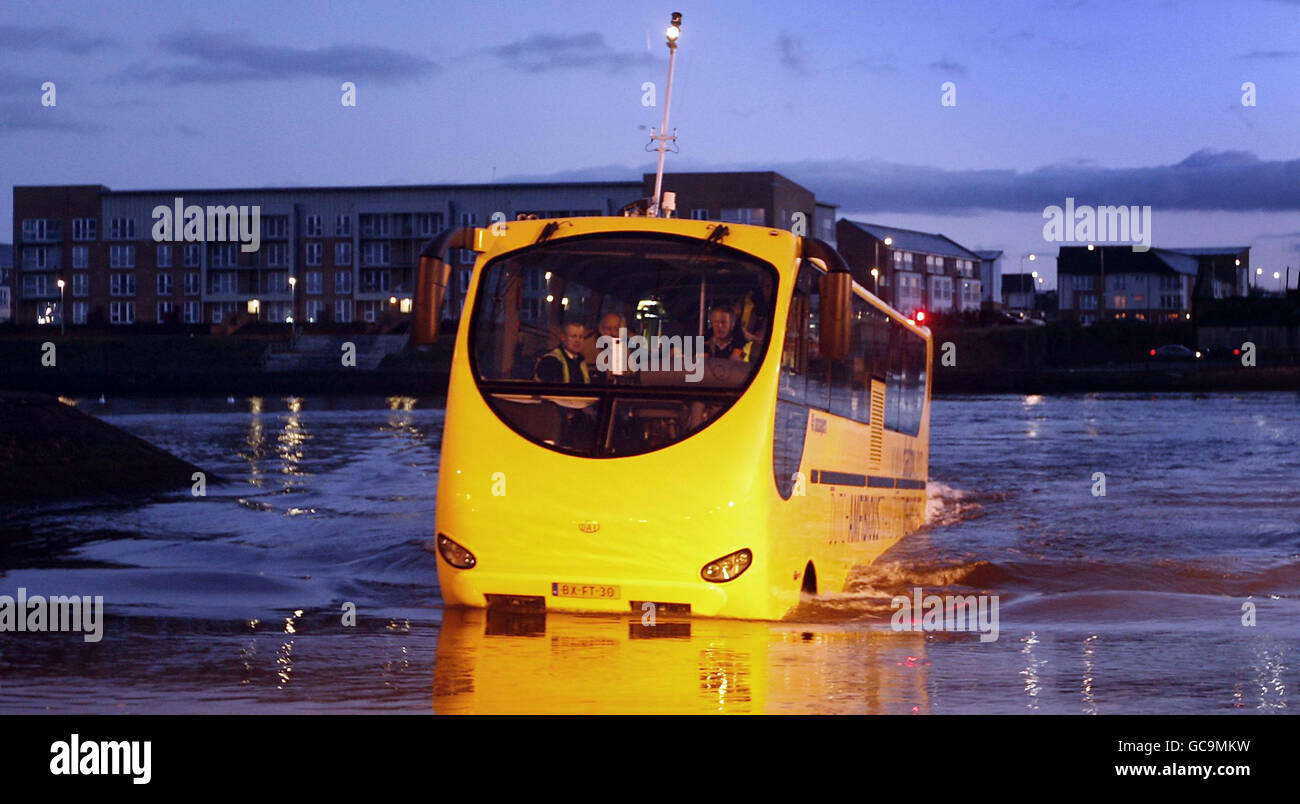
(663, 137)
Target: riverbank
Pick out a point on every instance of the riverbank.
(51, 451)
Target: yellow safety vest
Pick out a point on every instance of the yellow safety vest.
(558, 353)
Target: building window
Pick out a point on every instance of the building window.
(343, 226)
(35, 259)
(343, 311)
(164, 312)
(121, 229)
(121, 312)
(191, 312)
(36, 285)
(313, 226)
(368, 313)
(313, 253)
(275, 227)
(80, 284)
(192, 284)
(165, 284)
(464, 281)
(315, 310)
(314, 282)
(342, 281)
(277, 282)
(374, 281)
(79, 310)
(223, 256)
(193, 254)
(375, 225)
(374, 253)
(754, 216)
(80, 257)
(342, 253)
(83, 228)
(699, 214)
(121, 257)
(164, 256)
(1088, 302)
(466, 256)
(221, 282)
(42, 230)
(469, 219)
(121, 285)
(277, 255)
(428, 224)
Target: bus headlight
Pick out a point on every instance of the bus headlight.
(729, 567)
(454, 554)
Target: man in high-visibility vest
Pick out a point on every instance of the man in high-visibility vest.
(727, 342)
(564, 363)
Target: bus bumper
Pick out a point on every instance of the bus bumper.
(479, 589)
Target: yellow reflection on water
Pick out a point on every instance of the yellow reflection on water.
(489, 662)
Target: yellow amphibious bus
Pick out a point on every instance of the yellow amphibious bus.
(752, 426)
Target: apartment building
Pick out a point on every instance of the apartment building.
(913, 270)
(325, 255)
(1161, 284)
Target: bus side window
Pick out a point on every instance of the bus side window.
(819, 386)
(793, 387)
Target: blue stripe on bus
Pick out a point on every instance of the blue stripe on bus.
(830, 478)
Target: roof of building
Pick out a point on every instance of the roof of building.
(988, 255)
(920, 242)
(1017, 283)
(1225, 251)
(501, 185)
(1122, 259)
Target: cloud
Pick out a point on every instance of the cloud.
(792, 51)
(227, 58)
(19, 116)
(1204, 181)
(1269, 55)
(948, 67)
(48, 37)
(582, 51)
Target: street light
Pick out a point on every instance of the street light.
(875, 281)
(293, 302)
(62, 330)
(1101, 296)
(875, 271)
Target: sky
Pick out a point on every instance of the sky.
(1133, 103)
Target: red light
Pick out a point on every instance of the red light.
(1153, 352)
(920, 315)
(1236, 351)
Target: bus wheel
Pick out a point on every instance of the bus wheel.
(810, 579)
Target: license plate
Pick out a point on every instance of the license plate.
(585, 590)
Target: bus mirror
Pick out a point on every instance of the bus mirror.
(836, 314)
(432, 280)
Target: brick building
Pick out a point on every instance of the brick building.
(1156, 285)
(916, 270)
(351, 252)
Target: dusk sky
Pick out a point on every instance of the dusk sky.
(1107, 102)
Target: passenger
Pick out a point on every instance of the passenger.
(728, 342)
(564, 363)
(610, 324)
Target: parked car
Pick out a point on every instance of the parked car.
(1174, 351)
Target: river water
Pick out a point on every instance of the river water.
(1132, 601)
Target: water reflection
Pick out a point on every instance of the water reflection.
(493, 662)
